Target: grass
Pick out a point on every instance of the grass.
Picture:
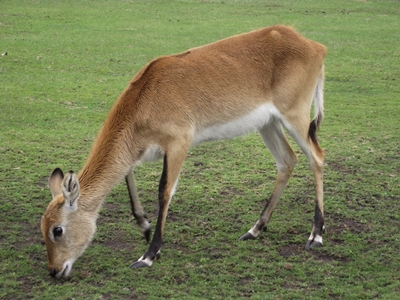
(68, 61)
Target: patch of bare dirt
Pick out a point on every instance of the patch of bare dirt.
(230, 190)
(290, 250)
(320, 255)
(340, 225)
(325, 257)
(111, 215)
(337, 225)
(26, 284)
(340, 168)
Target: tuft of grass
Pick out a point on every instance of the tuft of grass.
(66, 64)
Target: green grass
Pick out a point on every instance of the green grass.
(68, 61)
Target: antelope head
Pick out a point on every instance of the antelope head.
(66, 227)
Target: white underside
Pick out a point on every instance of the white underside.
(152, 153)
(253, 121)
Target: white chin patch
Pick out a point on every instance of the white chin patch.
(67, 267)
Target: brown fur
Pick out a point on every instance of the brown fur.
(175, 97)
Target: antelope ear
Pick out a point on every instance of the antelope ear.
(70, 189)
(55, 182)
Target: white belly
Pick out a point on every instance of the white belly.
(238, 127)
(253, 121)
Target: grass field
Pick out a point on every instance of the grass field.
(67, 62)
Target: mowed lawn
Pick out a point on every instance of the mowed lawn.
(64, 63)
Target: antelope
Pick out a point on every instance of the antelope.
(264, 80)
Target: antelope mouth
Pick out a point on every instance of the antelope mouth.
(64, 272)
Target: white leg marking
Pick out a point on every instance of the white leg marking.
(254, 231)
(146, 261)
(318, 239)
(145, 226)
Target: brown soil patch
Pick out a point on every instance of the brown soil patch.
(340, 225)
(291, 250)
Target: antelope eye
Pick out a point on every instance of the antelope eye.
(57, 231)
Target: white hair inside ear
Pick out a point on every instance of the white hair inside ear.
(70, 189)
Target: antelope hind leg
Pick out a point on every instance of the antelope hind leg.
(137, 208)
(276, 141)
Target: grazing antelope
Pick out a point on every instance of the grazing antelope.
(263, 80)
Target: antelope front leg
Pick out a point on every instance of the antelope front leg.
(173, 161)
(137, 208)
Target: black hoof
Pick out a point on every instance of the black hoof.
(139, 264)
(247, 236)
(311, 244)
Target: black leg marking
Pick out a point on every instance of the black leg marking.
(147, 234)
(318, 220)
(163, 180)
(154, 250)
(260, 226)
(315, 239)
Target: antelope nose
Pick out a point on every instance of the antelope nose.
(53, 273)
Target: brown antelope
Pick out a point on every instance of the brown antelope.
(264, 80)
